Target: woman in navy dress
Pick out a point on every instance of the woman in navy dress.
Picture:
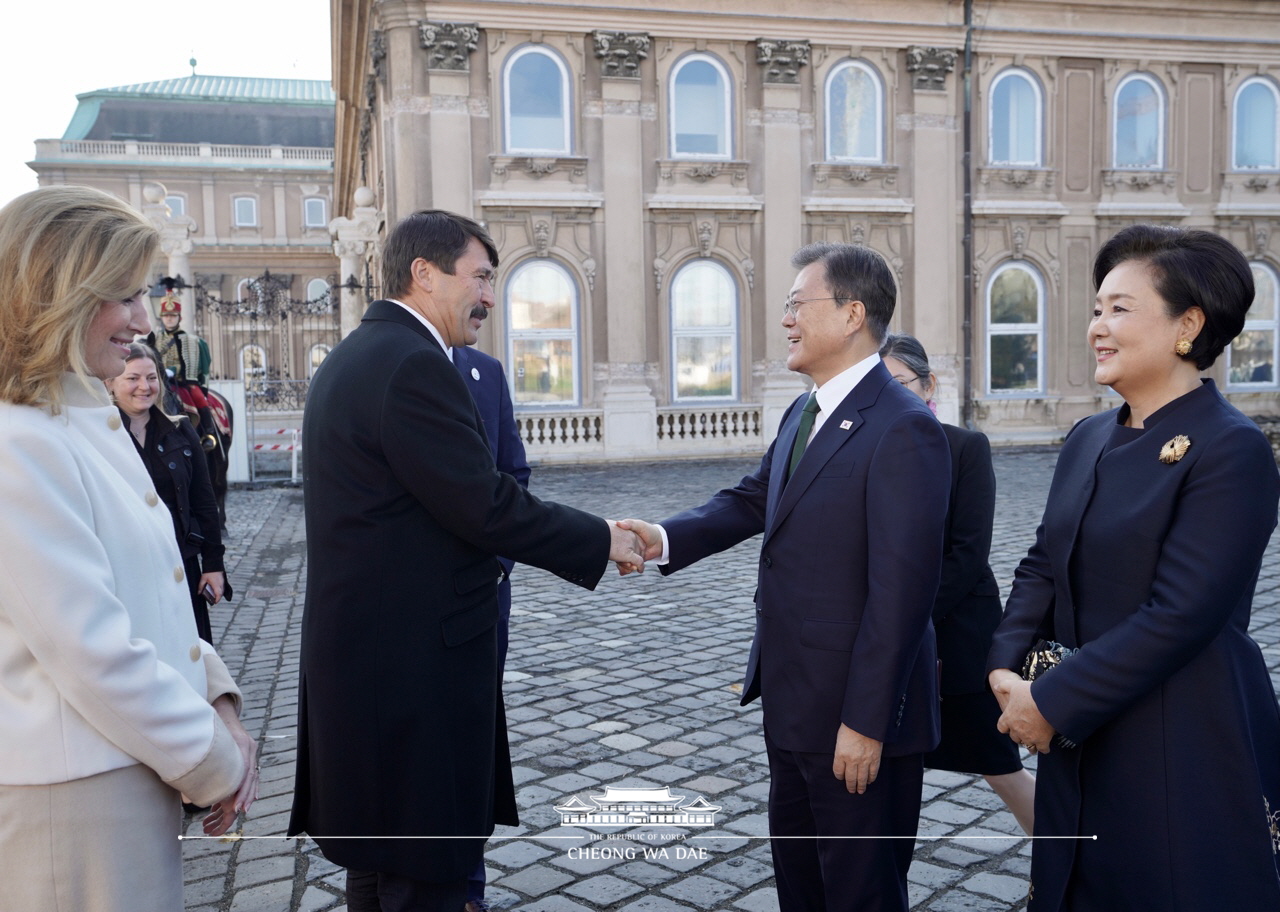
(1160, 737)
(967, 609)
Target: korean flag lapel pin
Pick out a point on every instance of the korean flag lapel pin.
(846, 424)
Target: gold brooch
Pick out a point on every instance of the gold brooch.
(1175, 449)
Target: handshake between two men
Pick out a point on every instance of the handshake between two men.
(632, 542)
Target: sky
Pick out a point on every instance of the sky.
(49, 54)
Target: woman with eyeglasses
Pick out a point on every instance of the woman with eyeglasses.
(110, 704)
(967, 609)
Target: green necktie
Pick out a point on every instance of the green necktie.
(807, 417)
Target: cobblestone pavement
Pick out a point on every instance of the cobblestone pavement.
(635, 684)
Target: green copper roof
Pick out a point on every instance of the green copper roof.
(227, 88)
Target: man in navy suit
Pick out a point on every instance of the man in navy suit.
(483, 376)
(852, 500)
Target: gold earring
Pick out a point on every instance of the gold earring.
(1183, 348)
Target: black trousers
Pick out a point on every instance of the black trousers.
(380, 891)
(810, 810)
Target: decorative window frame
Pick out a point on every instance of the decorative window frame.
(236, 202)
(828, 109)
(566, 102)
(1235, 125)
(1027, 76)
(573, 334)
(727, 126)
(308, 204)
(1271, 325)
(1036, 329)
(1162, 126)
(733, 330)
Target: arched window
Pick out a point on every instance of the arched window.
(317, 290)
(701, 109)
(855, 113)
(1015, 330)
(253, 367)
(244, 290)
(319, 352)
(1138, 135)
(704, 332)
(1256, 135)
(1014, 123)
(542, 337)
(535, 85)
(1251, 357)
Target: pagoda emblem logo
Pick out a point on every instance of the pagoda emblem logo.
(638, 807)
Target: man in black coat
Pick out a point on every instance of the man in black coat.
(401, 731)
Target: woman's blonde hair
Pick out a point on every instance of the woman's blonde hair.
(63, 251)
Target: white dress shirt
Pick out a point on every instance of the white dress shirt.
(448, 349)
(830, 395)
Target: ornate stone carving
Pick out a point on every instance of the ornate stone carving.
(1019, 242)
(1138, 180)
(930, 66)
(541, 237)
(858, 235)
(589, 270)
(1261, 240)
(706, 234)
(448, 44)
(781, 60)
(672, 171)
(885, 175)
(620, 53)
(1257, 184)
(378, 54)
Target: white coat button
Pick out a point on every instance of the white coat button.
(195, 653)
(113, 422)
(475, 374)
(152, 499)
(177, 574)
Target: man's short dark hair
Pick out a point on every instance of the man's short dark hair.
(855, 273)
(437, 236)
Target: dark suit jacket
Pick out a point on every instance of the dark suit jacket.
(848, 571)
(967, 609)
(1178, 766)
(401, 730)
(483, 376)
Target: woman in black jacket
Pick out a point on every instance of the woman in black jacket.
(967, 608)
(176, 463)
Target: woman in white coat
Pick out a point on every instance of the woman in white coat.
(110, 704)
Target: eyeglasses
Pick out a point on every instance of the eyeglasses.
(791, 305)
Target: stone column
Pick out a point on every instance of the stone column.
(175, 243)
(447, 48)
(782, 172)
(936, 274)
(355, 239)
(630, 409)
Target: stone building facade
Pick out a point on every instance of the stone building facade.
(648, 169)
(237, 173)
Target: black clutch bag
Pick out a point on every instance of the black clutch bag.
(1047, 654)
(1044, 655)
